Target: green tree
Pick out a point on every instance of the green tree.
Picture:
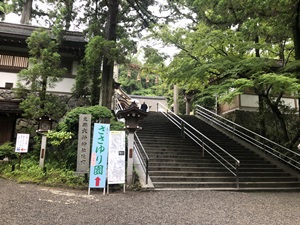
(43, 73)
(5, 8)
(231, 42)
(139, 78)
(117, 21)
(88, 79)
(131, 14)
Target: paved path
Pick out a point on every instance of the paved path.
(25, 204)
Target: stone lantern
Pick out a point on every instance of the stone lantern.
(188, 97)
(45, 124)
(132, 116)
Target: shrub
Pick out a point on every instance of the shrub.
(62, 148)
(70, 121)
(61, 153)
(115, 125)
(7, 150)
(58, 137)
(30, 172)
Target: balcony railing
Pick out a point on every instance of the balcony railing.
(13, 62)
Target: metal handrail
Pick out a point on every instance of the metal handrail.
(266, 145)
(142, 155)
(204, 142)
(118, 106)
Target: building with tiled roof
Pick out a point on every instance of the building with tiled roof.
(14, 58)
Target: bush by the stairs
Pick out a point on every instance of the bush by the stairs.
(70, 120)
(7, 150)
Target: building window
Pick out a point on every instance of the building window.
(13, 62)
(21, 62)
(10, 63)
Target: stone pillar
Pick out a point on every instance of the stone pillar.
(43, 151)
(130, 157)
(188, 96)
(188, 107)
(175, 99)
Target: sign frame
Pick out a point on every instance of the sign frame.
(22, 143)
(99, 153)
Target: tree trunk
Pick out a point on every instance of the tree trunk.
(296, 32)
(26, 12)
(108, 66)
(280, 119)
(257, 52)
(262, 121)
(43, 94)
(95, 85)
(107, 84)
(261, 103)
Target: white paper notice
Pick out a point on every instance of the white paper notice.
(116, 158)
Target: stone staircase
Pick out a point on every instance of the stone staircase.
(177, 163)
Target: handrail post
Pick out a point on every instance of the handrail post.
(168, 115)
(147, 170)
(237, 175)
(202, 146)
(156, 107)
(182, 129)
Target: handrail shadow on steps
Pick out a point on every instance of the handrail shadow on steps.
(207, 145)
(280, 152)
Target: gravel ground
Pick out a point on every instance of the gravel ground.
(26, 204)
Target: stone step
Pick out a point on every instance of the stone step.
(213, 169)
(192, 179)
(187, 160)
(217, 174)
(175, 160)
(161, 145)
(167, 153)
(226, 185)
(165, 164)
(207, 164)
(170, 143)
(194, 185)
(220, 179)
(187, 168)
(198, 153)
(177, 163)
(187, 148)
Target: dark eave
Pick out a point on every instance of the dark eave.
(10, 106)
(24, 31)
(15, 35)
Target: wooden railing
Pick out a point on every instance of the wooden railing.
(13, 62)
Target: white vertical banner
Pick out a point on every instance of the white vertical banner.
(22, 143)
(84, 140)
(116, 158)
